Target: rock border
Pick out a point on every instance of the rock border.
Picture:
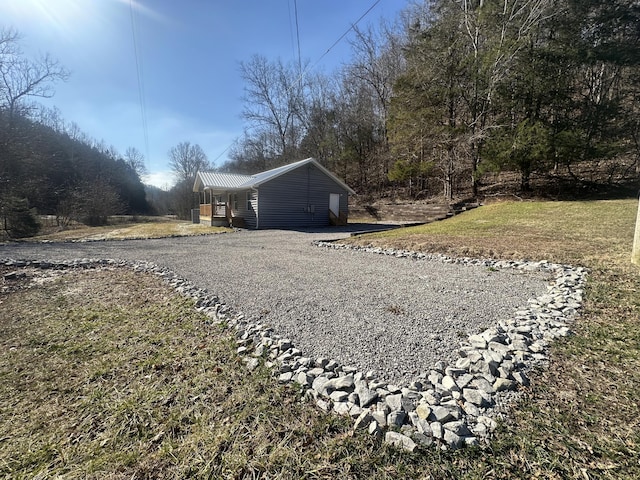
(450, 406)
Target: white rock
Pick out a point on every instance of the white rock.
(394, 401)
(374, 429)
(477, 397)
(502, 384)
(339, 396)
(521, 378)
(252, 364)
(355, 411)
(363, 420)
(436, 429)
(396, 418)
(450, 384)
(454, 441)
(341, 408)
(338, 383)
(422, 439)
(423, 411)
(322, 405)
(380, 417)
(400, 441)
(441, 414)
(459, 427)
(477, 341)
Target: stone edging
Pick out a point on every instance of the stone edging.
(450, 406)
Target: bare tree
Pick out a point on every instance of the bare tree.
(368, 82)
(22, 78)
(273, 99)
(135, 159)
(495, 33)
(186, 160)
(112, 152)
(377, 62)
(320, 121)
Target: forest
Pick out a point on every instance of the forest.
(444, 102)
(441, 100)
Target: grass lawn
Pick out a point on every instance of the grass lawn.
(156, 229)
(110, 374)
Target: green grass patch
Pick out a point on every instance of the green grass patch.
(573, 232)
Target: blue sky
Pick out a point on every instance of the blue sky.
(189, 54)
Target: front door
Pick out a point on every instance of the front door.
(334, 203)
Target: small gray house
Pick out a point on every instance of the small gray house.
(301, 194)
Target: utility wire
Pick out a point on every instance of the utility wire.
(293, 41)
(302, 74)
(295, 6)
(140, 76)
(353, 25)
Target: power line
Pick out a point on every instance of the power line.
(353, 25)
(293, 41)
(295, 6)
(303, 73)
(140, 76)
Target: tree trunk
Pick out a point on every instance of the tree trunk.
(635, 252)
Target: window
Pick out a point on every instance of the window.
(234, 201)
(249, 198)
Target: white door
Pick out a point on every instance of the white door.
(334, 203)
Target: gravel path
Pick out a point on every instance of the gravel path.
(392, 315)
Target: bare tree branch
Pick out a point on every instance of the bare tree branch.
(22, 78)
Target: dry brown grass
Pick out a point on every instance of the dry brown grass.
(144, 230)
(109, 374)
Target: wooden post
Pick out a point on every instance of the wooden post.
(635, 253)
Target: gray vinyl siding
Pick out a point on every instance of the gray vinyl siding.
(250, 219)
(284, 201)
(249, 215)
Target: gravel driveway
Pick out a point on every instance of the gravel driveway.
(395, 316)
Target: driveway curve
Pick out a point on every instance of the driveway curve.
(395, 316)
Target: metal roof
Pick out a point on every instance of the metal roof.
(222, 180)
(231, 181)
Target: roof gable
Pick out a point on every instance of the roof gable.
(230, 181)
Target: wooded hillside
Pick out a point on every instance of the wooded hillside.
(48, 166)
(454, 99)
(437, 102)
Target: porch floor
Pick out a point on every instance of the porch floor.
(215, 221)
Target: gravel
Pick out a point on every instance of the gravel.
(395, 316)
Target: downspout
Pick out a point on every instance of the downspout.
(257, 209)
(309, 192)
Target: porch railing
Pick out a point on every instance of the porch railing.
(218, 209)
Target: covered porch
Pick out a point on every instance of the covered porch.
(217, 208)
